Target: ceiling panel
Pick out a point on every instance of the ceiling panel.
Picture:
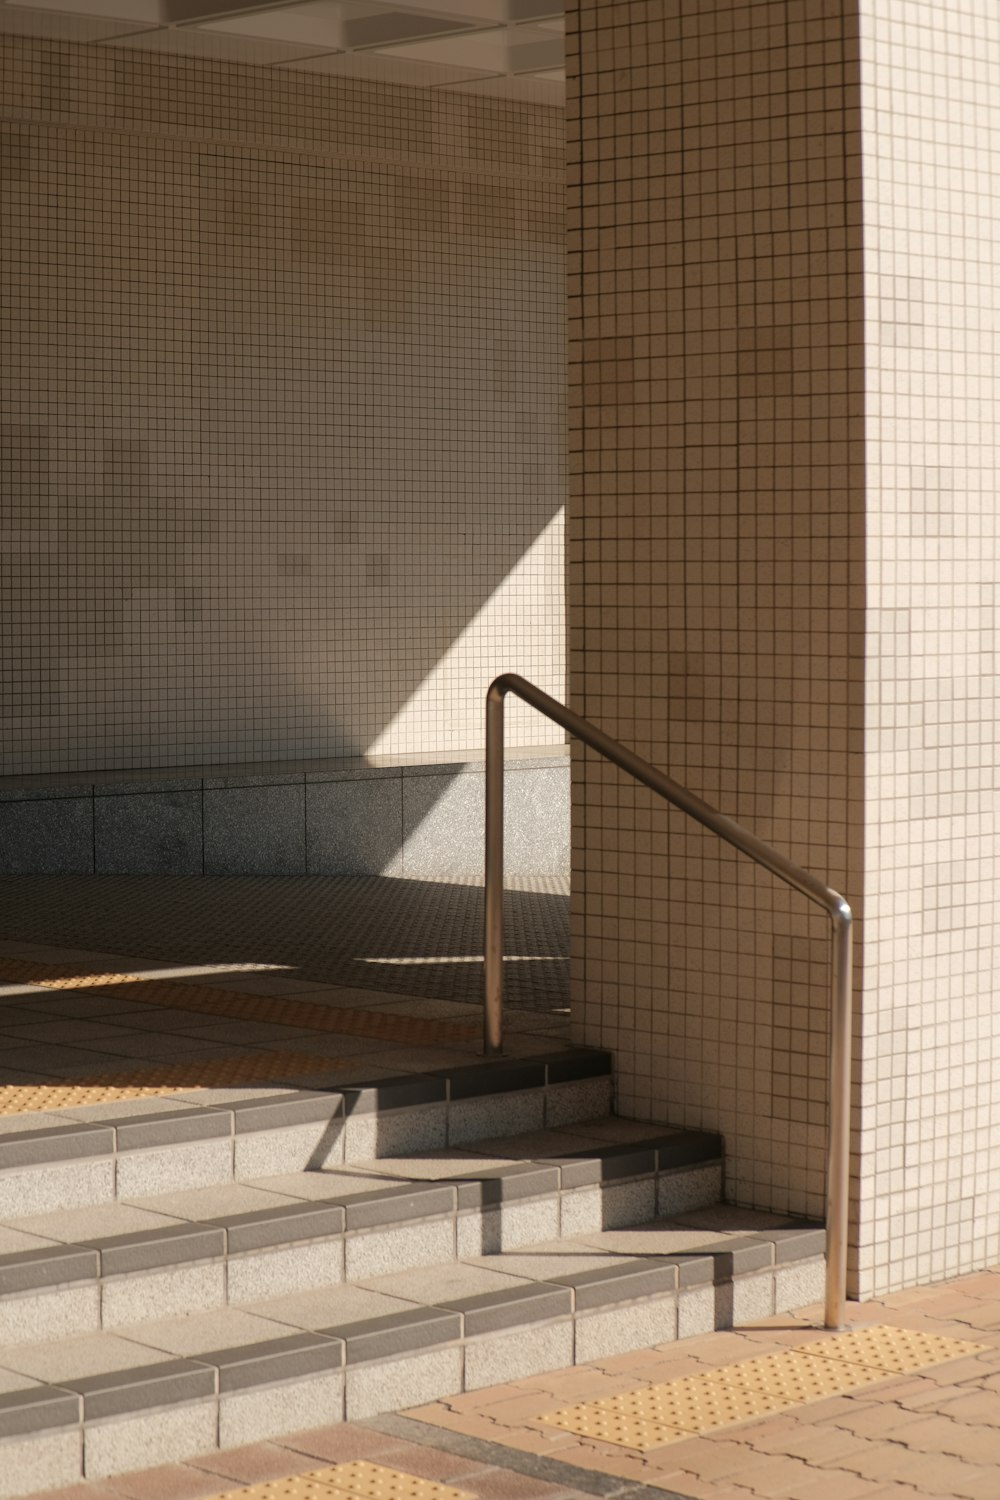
(20, 20)
(195, 42)
(377, 68)
(504, 48)
(139, 12)
(319, 24)
(391, 26)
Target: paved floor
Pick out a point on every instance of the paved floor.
(127, 987)
(82, 1030)
(408, 937)
(932, 1430)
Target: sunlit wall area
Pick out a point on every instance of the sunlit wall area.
(282, 411)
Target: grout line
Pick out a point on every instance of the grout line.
(532, 1465)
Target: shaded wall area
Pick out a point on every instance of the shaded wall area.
(716, 553)
(282, 411)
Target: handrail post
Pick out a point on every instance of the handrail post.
(839, 1139)
(493, 895)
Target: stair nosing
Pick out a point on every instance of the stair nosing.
(30, 1149)
(359, 1214)
(394, 1336)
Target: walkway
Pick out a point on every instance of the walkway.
(931, 1429)
(409, 937)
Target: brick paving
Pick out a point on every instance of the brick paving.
(934, 1432)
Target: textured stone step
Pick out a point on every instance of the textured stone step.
(75, 1271)
(216, 1136)
(164, 1390)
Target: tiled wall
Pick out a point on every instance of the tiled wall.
(282, 411)
(716, 551)
(931, 1185)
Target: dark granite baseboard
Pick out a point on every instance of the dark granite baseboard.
(423, 822)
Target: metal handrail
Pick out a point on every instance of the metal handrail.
(836, 908)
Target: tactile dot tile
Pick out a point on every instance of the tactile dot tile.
(162, 1078)
(796, 1376)
(362, 1480)
(205, 999)
(895, 1351)
(374, 1482)
(661, 1414)
(328, 928)
(678, 1409)
(297, 1487)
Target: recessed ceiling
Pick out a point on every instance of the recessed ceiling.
(503, 48)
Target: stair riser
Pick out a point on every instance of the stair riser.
(100, 1447)
(238, 1154)
(112, 1301)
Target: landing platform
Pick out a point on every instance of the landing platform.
(405, 938)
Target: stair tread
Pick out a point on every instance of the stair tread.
(478, 1073)
(595, 1138)
(590, 1261)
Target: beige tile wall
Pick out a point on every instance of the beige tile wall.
(282, 421)
(930, 1202)
(716, 550)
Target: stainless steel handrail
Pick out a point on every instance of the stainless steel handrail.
(836, 908)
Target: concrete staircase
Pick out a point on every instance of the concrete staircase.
(176, 1280)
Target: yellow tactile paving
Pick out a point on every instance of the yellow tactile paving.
(656, 1415)
(158, 1079)
(360, 1480)
(155, 1081)
(298, 1487)
(375, 1482)
(894, 1350)
(802, 1378)
(211, 1000)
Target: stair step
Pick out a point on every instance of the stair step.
(233, 1265)
(75, 1271)
(158, 1391)
(98, 1154)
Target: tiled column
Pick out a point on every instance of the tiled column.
(716, 551)
(930, 1202)
(784, 575)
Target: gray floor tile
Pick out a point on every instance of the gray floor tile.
(724, 1218)
(255, 1034)
(227, 1328)
(540, 1143)
(660, 1237)
(80, 1225)
(553, 1258)
(77, 1358)
(329, 1307)
(15, 1124)
(119, 1109)
(16, 1240)
(435, 1284)
(314, 1186)
(202, 1204)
